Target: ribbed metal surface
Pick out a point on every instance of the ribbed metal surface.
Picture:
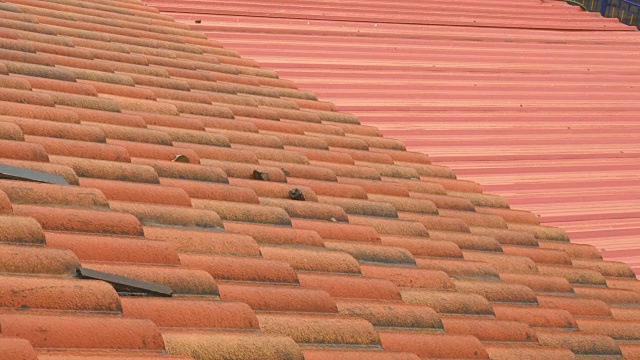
(536, 101)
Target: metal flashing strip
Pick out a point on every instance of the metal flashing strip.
(16, 173)
(126, 286)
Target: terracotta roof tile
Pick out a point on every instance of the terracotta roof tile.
(193, 313)
(59, 294)
(276, 235)
(89, 247)
(279, 298)
(115, 333)
(350, 286)
(449, 302)
(90, 150)
(268, 347)
(81, 220)
(241, 268)
(434, 345)
(32, 260)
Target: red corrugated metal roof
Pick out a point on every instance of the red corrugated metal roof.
(536, 101)
(187, 166)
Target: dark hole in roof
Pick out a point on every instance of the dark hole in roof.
(16, 173)
(126, 286)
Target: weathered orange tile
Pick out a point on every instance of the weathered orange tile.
(58, 294)
(608, 295)
(181, 122)
(151, 214)
(503, 262)
(449, 302)
(10, 130)
(343, 170)
(338, 231)
(17, 348)
(235, 211)
(37, 260)
(319, 260)
(81, 149)
(409, 277)
(322, 354)
(208, 242)
(154, 151)
(228, 344)
(307, 209)
(535, 316)
(178, 170)
(577, 306)
(445, 202)
(377, 187)
(618, 330)
(90, 247)
(57, 331)
(539, 283)
(64, 171)
(459, 267)
(237, 268)
(191, 313)
(106, 117)
(578, 251)
(498, 203)
(273, 154)
(542, 232)
(606, 268)
(489, 329)
(313, 171)
(386, 226)
(497, 291)
(314, 329)
(55, 129)
(108, 170)
(278, 298)
(273, 189)
(438, 223)
(466, 240)
(579, 343)
(416, 185)
(504, 236)
(322, 155)
(573, 274)
(430, 345)
(350, 286)
(266, 234)
(391, 314)
(372, 252)
(81, 220)
(534, 352)
(245, 170)
(20, 150)
(424, 247)
(538, 255)
(361, 207)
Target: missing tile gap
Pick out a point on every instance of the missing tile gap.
(126, 286)
(16, 173)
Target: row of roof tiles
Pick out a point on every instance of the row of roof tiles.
(285, 229)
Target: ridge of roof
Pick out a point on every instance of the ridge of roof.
(183, 158)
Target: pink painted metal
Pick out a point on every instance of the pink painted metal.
(537, 101)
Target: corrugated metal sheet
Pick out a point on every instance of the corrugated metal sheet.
(536, 101)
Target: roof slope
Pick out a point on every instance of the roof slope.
(536, 101)
(184, 160)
